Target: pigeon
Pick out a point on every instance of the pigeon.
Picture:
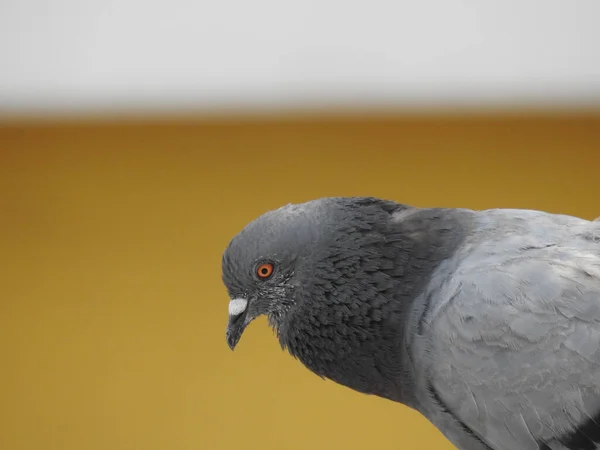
(486, 322)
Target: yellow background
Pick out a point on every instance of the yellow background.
(112, 312)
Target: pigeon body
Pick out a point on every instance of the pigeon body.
(486, 322)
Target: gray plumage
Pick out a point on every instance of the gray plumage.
(486, 322)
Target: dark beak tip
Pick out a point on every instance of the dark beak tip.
(235, 329)
(232, 340)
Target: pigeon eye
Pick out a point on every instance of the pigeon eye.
(265, 270)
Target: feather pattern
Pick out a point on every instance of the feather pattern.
(510, 347)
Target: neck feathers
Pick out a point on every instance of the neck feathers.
(348, 324)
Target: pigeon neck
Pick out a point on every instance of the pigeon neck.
(353, 328)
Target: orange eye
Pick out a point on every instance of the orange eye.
(264, 270)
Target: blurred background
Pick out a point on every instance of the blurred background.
(136, 138)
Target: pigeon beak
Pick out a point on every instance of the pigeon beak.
(237, 321)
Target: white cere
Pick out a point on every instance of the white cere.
(237, 306)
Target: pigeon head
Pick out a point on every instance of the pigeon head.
(291, 255)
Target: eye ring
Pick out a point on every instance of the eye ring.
(265, 270)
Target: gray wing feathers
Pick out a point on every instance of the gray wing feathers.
(514, 349)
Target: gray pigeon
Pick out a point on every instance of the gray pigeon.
(486, 322)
